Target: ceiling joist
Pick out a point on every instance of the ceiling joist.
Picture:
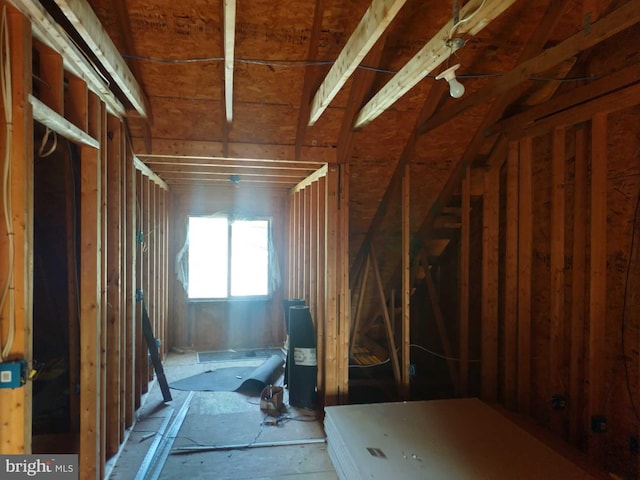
(475, 15)
(374, 22)
(229, 47)
(47, 30)
(82, 17)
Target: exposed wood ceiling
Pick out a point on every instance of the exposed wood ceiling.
(271, 91)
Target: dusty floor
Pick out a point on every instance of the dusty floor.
(219, 418)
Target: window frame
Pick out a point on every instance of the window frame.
(237, 298)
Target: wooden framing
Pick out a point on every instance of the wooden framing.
(372, 25)
(465, 257)
(90, 314)
(406, 283)
(578, 284)
(525, 258)
(489, 345)
(15, 404)
(318, 270)
(597, 278)
(557, 267)
(114, 275)
(511, 278)
(229, 47)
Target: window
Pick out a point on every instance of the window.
(228, 258)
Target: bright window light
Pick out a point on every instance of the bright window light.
(228, 258)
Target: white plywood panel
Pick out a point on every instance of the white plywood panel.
(440, 439)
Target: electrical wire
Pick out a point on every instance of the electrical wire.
(634, 227)
(466, 19)
(283, 63)
(5, 86)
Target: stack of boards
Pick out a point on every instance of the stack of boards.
(438, 439)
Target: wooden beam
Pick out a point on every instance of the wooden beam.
(47, 30)
(229, 47)
(56, 122)
(358, 313)
(622, 18)
(391, 344)
(75, 105)
(406, 282)
(331, 327)
(510, 298)
(597, 280)
(618, 100)
(578, 287)
(51, 78)
(238, 151)
(87, 24)
(490, 260)
(90, 313)
(146, 171)
(478, 14)
(16, 404)
(533, 47)
(465, 262)
(239, 164)
(525, 261)
(372, 25)
(442, 330)
(577, 96)
(321, 172)
(557, 267)
(114, 274)
(344, 312)
(322, 277)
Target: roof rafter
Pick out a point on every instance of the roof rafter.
(620, 19)
(373, 23)
(475, 15)
(85, 21)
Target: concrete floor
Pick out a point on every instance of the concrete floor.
(221, 418)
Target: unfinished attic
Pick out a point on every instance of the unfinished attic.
(444, 194)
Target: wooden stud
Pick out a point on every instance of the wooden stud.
(51, 78)
(122, 157)
(525, 260)
(391, 344)
(312, 298)
(490, 254)
(344, 310)
(465, 257)
(95, 104)
(330, 337)
(406, 282)
(557, 266)
(358, 311)
(597, 280)
(442, 331)
(322, 279)
(510, 297)
(90, 313)
(16, 404)
(229, 17)
(306, 245)
(114, 262)
(75, 102)
(578, 287)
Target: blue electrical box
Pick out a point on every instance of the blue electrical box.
(13, 374)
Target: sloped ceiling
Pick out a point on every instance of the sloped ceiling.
(280, 53)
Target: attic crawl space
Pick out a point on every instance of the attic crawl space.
(450, 187)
